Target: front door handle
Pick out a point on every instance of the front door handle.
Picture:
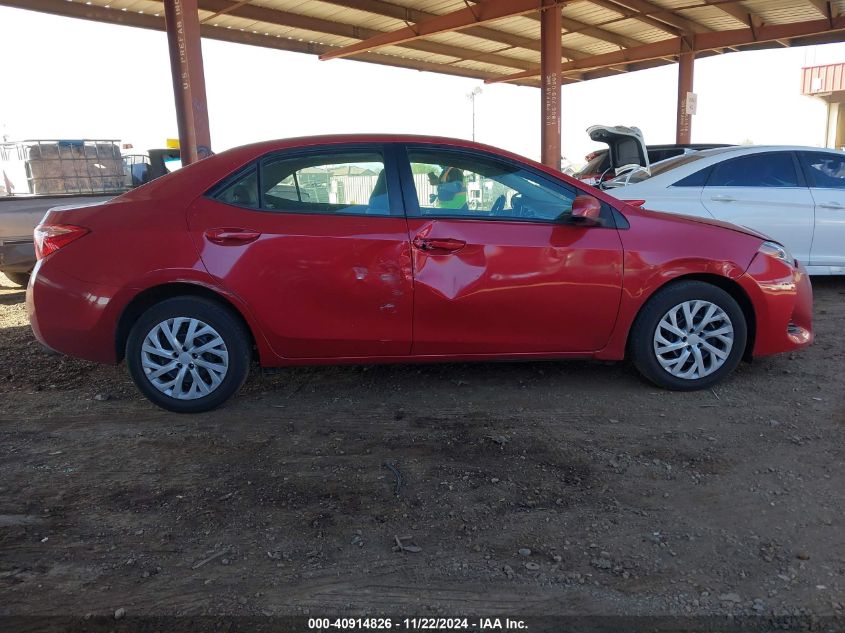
(723, 199)
(231, 236)
(831, 205)
(438, 244)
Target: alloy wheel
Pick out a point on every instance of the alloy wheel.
(693, 339)
(184, 358)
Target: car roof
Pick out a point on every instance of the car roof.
(678, 167)
(248, 152)
(336, 139)
(765, 148)
(205, 173)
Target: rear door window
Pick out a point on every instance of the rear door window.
(773, 169)
(331, 182)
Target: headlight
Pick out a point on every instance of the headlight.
(773, 249)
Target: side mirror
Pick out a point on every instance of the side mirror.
(586, 209)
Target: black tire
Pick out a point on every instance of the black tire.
(235, 337)
(21, 279)
(642, 338)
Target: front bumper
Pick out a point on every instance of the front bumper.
(782, 298)
(71, 316)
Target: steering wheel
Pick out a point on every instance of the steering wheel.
(498, 206)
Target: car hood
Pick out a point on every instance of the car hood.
(708, 221)
(626, 145)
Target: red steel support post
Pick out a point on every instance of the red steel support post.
(183, 38)
(683, 131)
(550, 71)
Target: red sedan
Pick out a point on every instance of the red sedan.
(360, 249)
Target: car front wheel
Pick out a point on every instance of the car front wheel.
(689, 335)
(188, 354)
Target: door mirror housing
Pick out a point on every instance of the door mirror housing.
(586, 210)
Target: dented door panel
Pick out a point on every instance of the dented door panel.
(514, 287)
(320, 286)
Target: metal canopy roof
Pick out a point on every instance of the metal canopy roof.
(492, 40)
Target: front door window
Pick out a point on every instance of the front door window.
(457, 184)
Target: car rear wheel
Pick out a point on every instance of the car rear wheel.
(20, 279)
(688, 336)
(188, 354)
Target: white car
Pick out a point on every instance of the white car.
(794, 194)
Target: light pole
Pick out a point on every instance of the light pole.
(471, 96)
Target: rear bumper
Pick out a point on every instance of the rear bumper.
(70, 316)
(17, 256)
(782, 298)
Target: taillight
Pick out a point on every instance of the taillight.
(51, 237)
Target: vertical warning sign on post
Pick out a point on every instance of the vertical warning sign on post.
(692, 104)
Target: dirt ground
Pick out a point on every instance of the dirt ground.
(286, 501)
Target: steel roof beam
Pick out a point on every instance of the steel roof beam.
(737, 11)
(319, 25)
(228, 9)
(828, 9)
(471, 15)
(97, 13)
(592, 30)
(408, 14)
(648, 9)
(821, 6)
(627, 14)
(574, 26)
(697, 43)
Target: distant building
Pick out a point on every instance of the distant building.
(828, 83)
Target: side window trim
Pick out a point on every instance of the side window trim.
(804, 162)
(803, 182)
(412, 206)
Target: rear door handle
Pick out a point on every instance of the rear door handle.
(231, 236)
(723, 199)
(438, 244)
(831, 205)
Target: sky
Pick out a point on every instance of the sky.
(70, 78)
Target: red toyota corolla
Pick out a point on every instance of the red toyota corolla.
(359, 249)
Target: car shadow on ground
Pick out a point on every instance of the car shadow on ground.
(12, 296)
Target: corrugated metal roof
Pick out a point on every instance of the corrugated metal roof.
(600, 37)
